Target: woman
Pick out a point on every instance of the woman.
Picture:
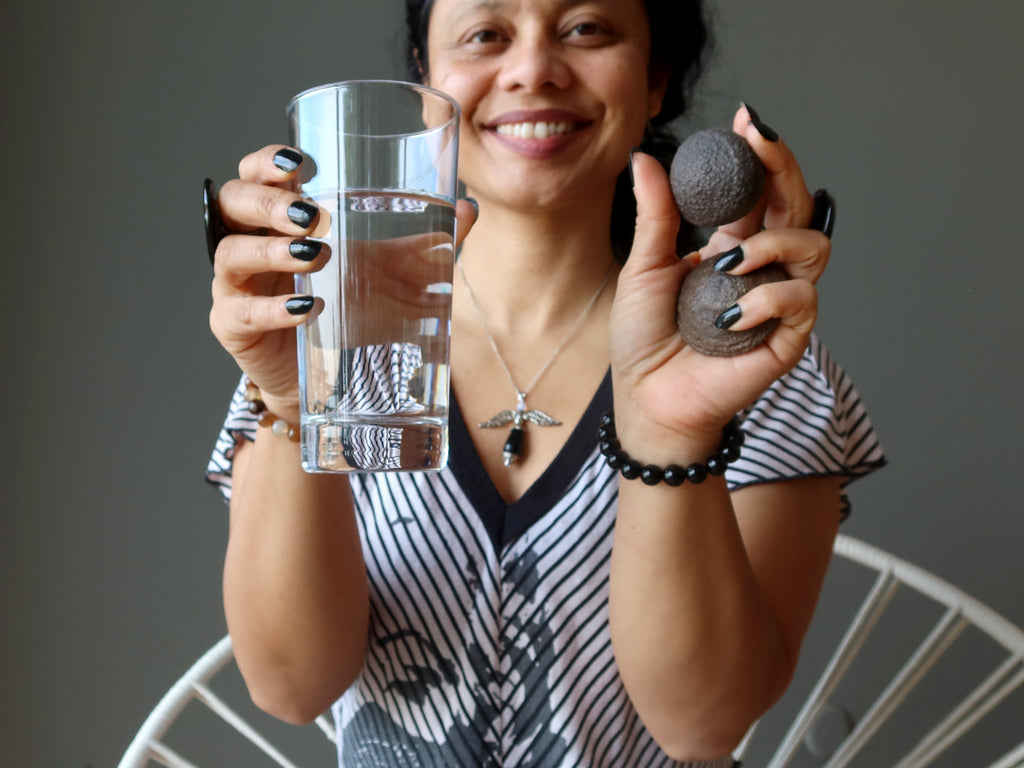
(485, 615)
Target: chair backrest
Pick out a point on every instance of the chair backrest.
(822, 731)
(938, 617)
(194, 686)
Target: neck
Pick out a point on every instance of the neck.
(531, 273)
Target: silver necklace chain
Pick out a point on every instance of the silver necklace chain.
(521, 413)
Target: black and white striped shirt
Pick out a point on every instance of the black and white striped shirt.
(489, 643)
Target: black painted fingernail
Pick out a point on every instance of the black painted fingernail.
(729, 260)
(307, 250)
(728, 318)
(299, 305)
(287, 159)
(302, 213)
(824, 217)
(472, 201)
(764, 130)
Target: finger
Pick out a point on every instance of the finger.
(787, 202)
(242, 256)
(467, 211)
(246, 206)
(803, 253)
(721, 241)
(236, 319)
(657, 219)
(414, 270)
(793, 302)
(273, 164)
(648, 284)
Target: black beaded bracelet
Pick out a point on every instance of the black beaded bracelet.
(673, 474)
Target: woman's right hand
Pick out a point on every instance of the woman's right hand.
(255, 309)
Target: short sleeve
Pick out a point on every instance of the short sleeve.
(238, 425)
(809, 423)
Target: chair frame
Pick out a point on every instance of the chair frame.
(962, 611)
(194, 686)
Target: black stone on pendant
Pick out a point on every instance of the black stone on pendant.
(513, 445)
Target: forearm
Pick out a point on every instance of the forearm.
(698, 646)
(295, 589)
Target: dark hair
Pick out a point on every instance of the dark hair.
(680, 42)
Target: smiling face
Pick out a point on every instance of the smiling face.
(554, 94)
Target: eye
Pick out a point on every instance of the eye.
(586, 29)
(484, 36)
(592, 32)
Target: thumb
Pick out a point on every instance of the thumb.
(657, 217)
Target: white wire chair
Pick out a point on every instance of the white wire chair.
(958, 613)
(194, 686)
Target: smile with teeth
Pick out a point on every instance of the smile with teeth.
(534, 130)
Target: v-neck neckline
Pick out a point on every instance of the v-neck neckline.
(507, 521)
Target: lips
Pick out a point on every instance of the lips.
(534, 130)
(537, 133)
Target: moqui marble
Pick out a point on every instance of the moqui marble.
(706, 294)
(716, 177)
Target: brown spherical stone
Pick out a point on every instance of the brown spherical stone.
(706, 294)
(716, 177)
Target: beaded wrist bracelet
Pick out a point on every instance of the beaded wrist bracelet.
(265, 418)
(673, 474)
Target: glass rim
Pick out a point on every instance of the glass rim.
(425, 89)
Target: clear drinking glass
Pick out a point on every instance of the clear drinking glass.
(380, 157)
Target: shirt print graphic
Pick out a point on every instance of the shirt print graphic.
(511, 696)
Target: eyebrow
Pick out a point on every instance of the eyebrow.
(492, 5)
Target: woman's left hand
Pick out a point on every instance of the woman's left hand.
(658, 379)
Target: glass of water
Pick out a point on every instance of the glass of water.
(380, 158)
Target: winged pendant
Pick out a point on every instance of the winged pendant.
(516, 417)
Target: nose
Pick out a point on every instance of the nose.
(534, 62)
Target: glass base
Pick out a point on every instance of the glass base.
(386, 444)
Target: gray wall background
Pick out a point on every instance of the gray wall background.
(113, 389)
